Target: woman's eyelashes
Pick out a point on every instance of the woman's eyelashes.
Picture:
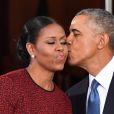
(51, 42)
(64, 42)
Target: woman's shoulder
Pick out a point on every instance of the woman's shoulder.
(9, 85)
(11, 76)
(59, 91)
(12, 79)
(12, 73)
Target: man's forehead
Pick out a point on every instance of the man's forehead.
(73, 20)
(73, 23)
(80, 19)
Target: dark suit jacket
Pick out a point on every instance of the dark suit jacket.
(78, 93)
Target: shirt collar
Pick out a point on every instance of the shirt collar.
(104, 77)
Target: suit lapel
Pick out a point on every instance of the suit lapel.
(109, 104)
(79, 100)
(77, 95)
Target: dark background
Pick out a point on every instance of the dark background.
(14, 13)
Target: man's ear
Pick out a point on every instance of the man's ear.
(30, 49)
(103, 40)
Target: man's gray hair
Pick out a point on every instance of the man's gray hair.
(103, 20)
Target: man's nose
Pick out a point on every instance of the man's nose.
(69, 40)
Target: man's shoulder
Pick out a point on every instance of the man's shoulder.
(78, 88)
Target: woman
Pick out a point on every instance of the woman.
(31, 90)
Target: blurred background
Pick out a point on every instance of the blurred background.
(14, 13)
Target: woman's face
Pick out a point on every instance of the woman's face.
(51, 49)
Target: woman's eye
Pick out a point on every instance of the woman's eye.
(50, 42)
(64, 43)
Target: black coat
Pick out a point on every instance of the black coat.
(78, 94)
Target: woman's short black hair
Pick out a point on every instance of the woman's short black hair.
(30, 31)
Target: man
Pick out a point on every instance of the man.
(91, 46)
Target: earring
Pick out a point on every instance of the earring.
(33, 56)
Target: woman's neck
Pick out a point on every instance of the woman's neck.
(41, 77)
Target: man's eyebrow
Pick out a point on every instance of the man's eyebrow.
(75, 30)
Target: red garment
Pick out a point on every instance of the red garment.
(20, 95)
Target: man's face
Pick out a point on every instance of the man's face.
(83, 41)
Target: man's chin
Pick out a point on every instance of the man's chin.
(71, 63)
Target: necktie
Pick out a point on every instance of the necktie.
(93, 100)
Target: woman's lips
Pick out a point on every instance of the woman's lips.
(61, 57)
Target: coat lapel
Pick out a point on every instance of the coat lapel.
(79, 99)
(109, 104)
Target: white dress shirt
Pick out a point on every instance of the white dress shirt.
(104, 78)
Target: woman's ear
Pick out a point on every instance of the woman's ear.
(30, 49)
(103, 40)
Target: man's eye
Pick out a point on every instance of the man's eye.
(76, 35)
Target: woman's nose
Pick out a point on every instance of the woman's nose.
(59, 47)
